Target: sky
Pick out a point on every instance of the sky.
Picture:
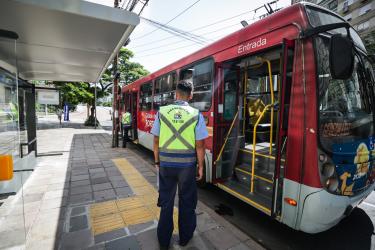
(155, 48)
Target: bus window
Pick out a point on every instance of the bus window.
(145, 100)
(166, 90)
(230, 94)
(202, 80)
(186, 74)
(157, 94)
(169, 88)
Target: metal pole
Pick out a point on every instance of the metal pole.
(114, 94)
(95, 106)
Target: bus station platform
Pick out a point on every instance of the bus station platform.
(92, 196)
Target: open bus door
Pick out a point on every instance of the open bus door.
(249, 149)
(286, 84)
(227, 121)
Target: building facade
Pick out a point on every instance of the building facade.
(359, 13)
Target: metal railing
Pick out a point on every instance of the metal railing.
(226, 138)
(269, 106)
(254, 144)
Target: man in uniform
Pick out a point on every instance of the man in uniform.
(179, 132)
(126, 122)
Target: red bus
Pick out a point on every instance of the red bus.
(288, 102)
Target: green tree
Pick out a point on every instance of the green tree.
(83, 92)
(129, 71)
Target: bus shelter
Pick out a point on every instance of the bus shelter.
(54, 40)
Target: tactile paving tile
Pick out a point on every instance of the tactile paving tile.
(129, 203)
(107, 223)
(111, 215)
(144, 190)
(137, 216)
(103, 208)
(149, 199)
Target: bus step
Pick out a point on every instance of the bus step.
(244, 190)
(260, 161)
(258, 170)
(262, 186)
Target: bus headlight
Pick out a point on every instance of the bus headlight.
(328, 169)
(332, 184)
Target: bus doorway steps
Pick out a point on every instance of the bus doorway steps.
(243, 192)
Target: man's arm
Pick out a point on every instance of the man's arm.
(156, 148)
(199, 146)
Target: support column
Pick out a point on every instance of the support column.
(115, 127)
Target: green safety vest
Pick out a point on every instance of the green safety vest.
(126, 118)
(177, 136)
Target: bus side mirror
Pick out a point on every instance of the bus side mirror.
(341, 57)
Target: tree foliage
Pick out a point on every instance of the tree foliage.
(129, 71)
(83, 92)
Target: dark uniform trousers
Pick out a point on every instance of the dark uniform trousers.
(169, 179)
(125, 137)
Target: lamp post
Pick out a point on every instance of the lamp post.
(114, 94)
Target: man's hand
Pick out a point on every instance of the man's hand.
(199, 146)
(200, 174)
(156, 152)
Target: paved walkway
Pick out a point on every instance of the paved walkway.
(96, 197)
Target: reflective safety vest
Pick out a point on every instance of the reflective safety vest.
(177, 136)
(126, 118)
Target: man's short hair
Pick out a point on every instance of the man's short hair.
(185, 87)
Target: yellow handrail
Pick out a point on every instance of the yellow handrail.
(272, 98)
(226, 138)
(254, 145)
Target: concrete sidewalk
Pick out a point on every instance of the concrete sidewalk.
(96, 197)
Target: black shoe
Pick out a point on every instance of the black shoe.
(163, 247)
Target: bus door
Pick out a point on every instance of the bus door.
(282, 132)
(252, 127)
(227, 121)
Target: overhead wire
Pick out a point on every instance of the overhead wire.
(173, 49)
(178, 32)
(190, 45)
(186, 9)
(199, 28)
(182, 41)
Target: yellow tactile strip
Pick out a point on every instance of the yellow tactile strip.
(111, 215)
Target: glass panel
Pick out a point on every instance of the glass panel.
(169, 83)
(201, 74)
(12, 207)
(166, 86)
(345, 109)
(145, 100)
(9, 141)
(318, 17)
(230, 93)
(202, 79)
(157, 101)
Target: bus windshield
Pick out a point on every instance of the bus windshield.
(345, 106)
